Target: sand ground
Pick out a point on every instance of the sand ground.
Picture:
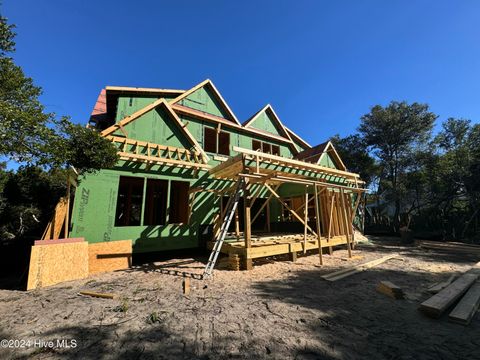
(279, 310)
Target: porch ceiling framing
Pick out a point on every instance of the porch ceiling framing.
(251, 165)
(156, 154)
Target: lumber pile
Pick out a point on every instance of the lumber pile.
(390, 289)
(337, 275)
(468, 286)
(451, 247)
(441, 285)
(232, 262)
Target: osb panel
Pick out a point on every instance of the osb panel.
(109, 256)
(55, 263)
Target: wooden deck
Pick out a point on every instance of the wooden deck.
(264, 246)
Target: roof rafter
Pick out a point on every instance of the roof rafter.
(174, 116)
(216, 93)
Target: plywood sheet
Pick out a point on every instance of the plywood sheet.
(109, 256)
(55, 263)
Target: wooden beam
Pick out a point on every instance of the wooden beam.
(162, 161)
(247, 225)
(467, 307)
(300, 164)
(305, 211)
(289, 209)
(440, 302)
(263, 205)
(317, 217)
(346, 220)
(337, 275)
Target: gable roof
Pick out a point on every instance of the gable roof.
(208, 84)
(298, 138)
(316, 153)
(158, 103)
(268, 110)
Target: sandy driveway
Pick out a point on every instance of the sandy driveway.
(279, 310)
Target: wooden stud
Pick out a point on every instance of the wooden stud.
(317, 217)
(247, 225)
(347, 227)
(289, 209)
(305, 211)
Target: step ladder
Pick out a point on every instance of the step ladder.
(229, 214)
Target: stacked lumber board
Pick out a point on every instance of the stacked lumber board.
(468, 285)
(441, 285)
(467, 307)
(337, 275)
(390, 289)
(232, 262)
(450, 246)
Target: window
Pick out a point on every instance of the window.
(265, 147)
(178, 202)
(224, 143)
(129, 201)
(216, 142)
(276, 150)
(155, 202)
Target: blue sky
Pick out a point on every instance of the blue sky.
(321, 64)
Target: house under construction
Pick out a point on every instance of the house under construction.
(185, 159)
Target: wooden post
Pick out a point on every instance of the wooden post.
(268, 217)
(347, 230)
(67, 210)
(317, 217)
(247, 226)
(330, 221)
(305, 211)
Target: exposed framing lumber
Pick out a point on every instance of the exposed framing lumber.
(346, 221)
(217, 94)
(289, 209)
(467, 307)
(217, 119)
(440, 302)
(176, 119)
(305, 211)
(337, 275)
(317, 218)
(264, 204)
(300, 164)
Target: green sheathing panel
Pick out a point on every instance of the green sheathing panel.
(300, 147)
(93, 215)
(327, 161)
(264, 121)
(204, 100)
(156, 126)
(237, 137)
(127, 105)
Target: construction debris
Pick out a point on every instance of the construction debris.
(441, 285)
(439, 303)
(390, 289)
(450, 246)
(467, 307)
(186, 286)
(99, 295)
(337, 275)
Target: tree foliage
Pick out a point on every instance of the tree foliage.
(395, 134)
(29, 134)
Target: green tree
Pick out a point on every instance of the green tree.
(29, 134)
(354, 153)
(395, 133)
